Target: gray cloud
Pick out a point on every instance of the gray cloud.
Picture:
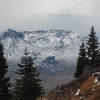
(76, 15)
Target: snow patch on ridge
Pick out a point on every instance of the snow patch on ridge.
(77, 93)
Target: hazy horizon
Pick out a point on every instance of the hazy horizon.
(74, 15)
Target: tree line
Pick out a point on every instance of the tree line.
(89, 55)
(27, 85)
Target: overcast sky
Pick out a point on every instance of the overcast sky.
(75, 15)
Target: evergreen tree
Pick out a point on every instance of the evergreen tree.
(93, 50)
(28, 85)
(5, 92)
(81, 61)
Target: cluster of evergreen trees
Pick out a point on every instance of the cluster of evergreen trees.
(89, 55)
(28, 84)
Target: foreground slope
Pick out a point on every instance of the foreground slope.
(87, 87)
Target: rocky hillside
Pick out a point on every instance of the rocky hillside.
(87, 87)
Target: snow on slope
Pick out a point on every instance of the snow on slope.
(54, 50)
(41, 43)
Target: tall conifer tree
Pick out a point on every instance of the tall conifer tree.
(5, 92)
(28, 85)
(81, 61)
(93, 50)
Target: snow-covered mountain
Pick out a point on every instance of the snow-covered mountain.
(54, 50)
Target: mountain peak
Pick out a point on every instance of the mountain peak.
(11, 30)
(13, 34)
(53, 51)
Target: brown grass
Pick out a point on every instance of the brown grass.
(63, 92)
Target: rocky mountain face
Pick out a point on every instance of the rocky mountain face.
(54, 51)
(87, 87)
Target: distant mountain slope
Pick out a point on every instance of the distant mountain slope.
(55, 51)
(87, 87)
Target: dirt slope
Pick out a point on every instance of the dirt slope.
(87, 87)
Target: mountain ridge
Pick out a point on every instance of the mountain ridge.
(55, 51)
